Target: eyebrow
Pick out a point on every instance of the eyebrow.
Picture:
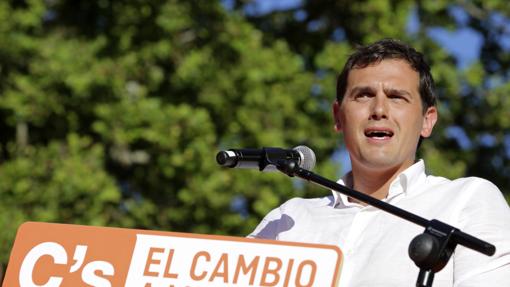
(397, 91)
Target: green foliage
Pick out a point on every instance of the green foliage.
(60, 182)
(112, 111)
(117, 120)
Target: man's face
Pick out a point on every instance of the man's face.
(381, 115)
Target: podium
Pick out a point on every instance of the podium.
(60, 255)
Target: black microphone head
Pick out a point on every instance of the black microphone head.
(226, 158)
(307, 157)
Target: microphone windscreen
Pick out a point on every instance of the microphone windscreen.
(308, 157)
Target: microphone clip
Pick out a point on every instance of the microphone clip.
(279, 158)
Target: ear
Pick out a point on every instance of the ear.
(429, 120)
(336, 116)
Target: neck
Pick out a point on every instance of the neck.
(374, 182)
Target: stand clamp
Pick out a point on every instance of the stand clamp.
(431, 250)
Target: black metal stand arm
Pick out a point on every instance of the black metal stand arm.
(430, 250)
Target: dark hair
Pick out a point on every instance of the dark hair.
(389, 49)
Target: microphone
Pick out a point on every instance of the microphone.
(265, 159)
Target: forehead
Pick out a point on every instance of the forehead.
(391, 73)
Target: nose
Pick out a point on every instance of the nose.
(379, 108)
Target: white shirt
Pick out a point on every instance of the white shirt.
(375, 244)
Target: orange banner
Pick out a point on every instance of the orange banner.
(55, 255)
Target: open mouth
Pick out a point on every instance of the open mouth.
(378, 134)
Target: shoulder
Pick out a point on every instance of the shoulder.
(300, 206)
(464, 186)
(284, 217)
(453, 200)
(470, 198)
(469, 190)
(472, 180)
(298, 203)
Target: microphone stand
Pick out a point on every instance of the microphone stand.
(430, 250)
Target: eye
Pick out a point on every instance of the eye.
(397, 97)
(363, 96)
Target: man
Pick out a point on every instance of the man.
(385, 106)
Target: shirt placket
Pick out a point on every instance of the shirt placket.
(359, 225)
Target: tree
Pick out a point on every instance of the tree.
(114, 113)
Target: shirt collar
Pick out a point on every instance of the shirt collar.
(403, 183)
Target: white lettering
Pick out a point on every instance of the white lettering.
(79, 257)
(27, 267)
(89, 276)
